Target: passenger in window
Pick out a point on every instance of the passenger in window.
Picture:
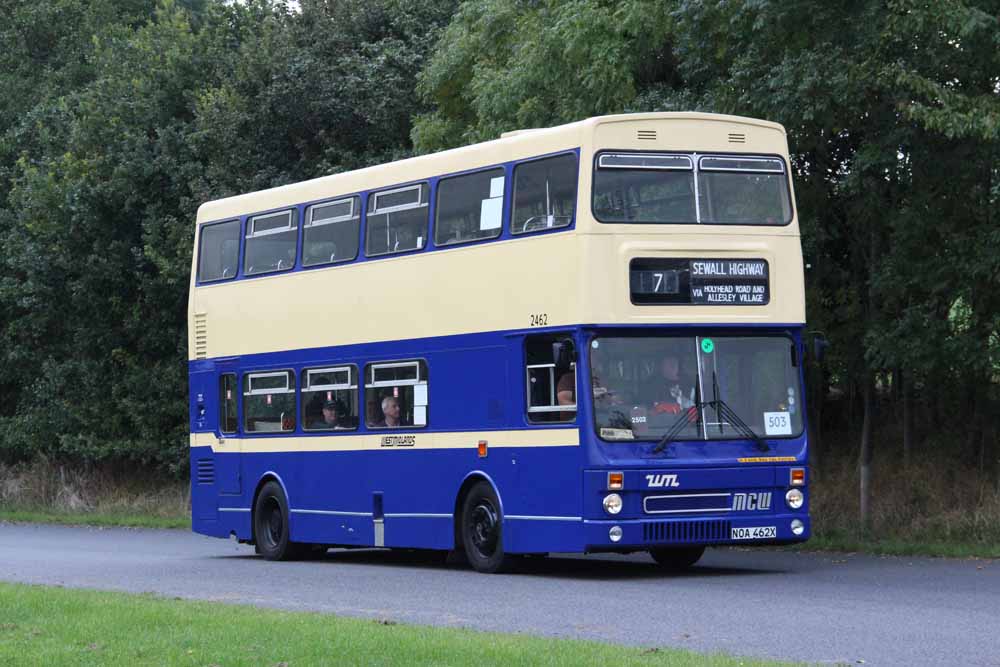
(333, 416)
(566, 388)
(390, 413)
(566, 395)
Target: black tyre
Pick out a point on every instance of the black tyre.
(679, 558)
(482, 531)
(270, 525)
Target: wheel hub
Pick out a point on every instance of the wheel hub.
(484, 525)
(273, 522)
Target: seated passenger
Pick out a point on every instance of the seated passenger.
(391, 414)
(566, 389)
(334, 416)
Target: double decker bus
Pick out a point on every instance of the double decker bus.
(587, 338)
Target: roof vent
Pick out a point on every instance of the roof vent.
(517, 133)
(201, 335)
(736, 138)
(647, 135)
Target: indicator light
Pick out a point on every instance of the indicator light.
(616, 481)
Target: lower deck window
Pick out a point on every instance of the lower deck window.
(330, 398)
(396, 394)
(269, 402)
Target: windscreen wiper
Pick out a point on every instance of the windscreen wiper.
(724, 411)
(728, 415)
(679, 425)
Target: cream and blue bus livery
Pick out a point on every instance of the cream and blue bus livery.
(587, 338)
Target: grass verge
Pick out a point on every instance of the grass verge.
(897, 547)
(54, 626)
(95, 519)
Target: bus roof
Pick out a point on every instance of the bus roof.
(517, 144)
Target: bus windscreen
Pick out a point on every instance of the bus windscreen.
(643, 387)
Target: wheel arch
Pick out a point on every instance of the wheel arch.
(269, 476)
(470, 480)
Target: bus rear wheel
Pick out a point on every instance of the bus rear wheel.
(677, 558)
(270, 525)
(482, 530)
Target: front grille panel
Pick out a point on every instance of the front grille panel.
(691, 532)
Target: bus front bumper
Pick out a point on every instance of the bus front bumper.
(639, 534)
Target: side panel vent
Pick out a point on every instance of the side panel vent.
(687, 532)
(646, 135)
(206, 471)
(200, 335)
(737, 138)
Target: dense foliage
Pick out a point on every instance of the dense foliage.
(117, 118)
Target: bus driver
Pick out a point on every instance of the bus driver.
(674, 391)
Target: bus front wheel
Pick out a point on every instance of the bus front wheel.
(482, 530)
(270, 525)
(679, 558)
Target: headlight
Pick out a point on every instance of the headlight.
(612, 503)
(615, 534)
(794, 498)
(798, 527)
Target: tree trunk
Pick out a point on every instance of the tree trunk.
(865, 458)
(907, 387)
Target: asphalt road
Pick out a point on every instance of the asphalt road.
(819, 608)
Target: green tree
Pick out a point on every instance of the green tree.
(891, 110)
(143, 112)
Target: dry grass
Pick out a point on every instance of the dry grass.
(932, 501)
(934, 507)
(46, 487)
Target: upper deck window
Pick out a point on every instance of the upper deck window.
(219, 251)
(469, 208)
(270, 245)
(680, 188)
(397, 220)
(643, 187)
(331, 232)
(544, 194)
(744, 190)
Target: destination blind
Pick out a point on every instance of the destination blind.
(699, 281)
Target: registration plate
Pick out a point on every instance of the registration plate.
(755, 533)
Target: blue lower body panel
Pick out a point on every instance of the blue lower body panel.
(410, 498)
(332, 495)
